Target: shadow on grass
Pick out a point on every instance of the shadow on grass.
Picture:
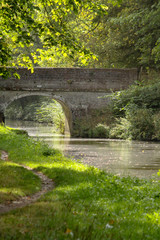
(58, 220)
(92, 183)
(15, 181)
(87, 204)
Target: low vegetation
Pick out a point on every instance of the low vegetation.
(86, 203)
(137, 112)
(16, 182)
(132, 114)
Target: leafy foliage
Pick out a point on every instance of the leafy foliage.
(31, 27)
(137, 110)
(100, 131)
(128, 36)
(68, 33)
(120, 129)
(140, 96)
(52, 112)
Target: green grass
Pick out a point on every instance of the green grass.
(86, 204)
(16, 182)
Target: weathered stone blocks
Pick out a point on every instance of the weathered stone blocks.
(78, 90)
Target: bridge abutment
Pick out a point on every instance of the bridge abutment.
(85, 122)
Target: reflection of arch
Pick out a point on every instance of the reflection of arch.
(59, 99)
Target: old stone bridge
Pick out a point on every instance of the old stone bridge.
(79, 91)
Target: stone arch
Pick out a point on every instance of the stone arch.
(67, 112)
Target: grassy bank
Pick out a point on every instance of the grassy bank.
(16, 182)
(85, 204)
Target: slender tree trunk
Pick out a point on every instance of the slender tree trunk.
(2, 117)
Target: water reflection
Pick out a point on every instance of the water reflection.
(133, 158)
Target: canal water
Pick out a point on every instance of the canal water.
(134, 158)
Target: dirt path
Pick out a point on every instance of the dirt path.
(47, 185)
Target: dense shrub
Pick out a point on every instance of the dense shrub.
(101, 131)
(143, 96)
(141, 124)
(120, 129)
(138, 113)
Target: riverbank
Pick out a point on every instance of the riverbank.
(12, 199)
(86, 203)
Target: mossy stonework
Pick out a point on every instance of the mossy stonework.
(79, 100)
(87, 126)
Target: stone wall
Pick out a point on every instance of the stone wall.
(70, 79)
(80, 91)
(76, 105)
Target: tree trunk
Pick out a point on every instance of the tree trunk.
(2, 118)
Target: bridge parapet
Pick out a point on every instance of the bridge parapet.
(70, 80)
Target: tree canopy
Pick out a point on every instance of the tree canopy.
(129, 36)
(79, 33)
(30, 29)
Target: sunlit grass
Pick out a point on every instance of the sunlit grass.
(86, 204)
(15, 182)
